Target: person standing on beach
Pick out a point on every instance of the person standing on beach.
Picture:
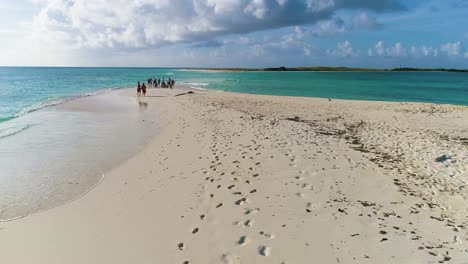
(138, 89)
(143, 88)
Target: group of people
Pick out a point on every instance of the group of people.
(141, 89)
(155, 83)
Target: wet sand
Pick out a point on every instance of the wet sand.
(65, 149)
(236, 178)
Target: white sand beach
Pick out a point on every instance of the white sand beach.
(236, 178)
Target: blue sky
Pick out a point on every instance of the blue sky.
(234, 33)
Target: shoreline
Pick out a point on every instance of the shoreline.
(335, 99)
(186, 86)
(165, 171)
(103, 175)
(55, 102)
(130, 93)
(84, 150)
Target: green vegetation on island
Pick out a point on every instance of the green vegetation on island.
(320, 68)
(335, 69)
(430, 70)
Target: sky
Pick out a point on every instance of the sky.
(234, 33)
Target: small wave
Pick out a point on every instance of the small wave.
(53, 102)
(39, 106)
(103, 78)
(196, 84)
(4, 119)
(198, 88)
(13, 130)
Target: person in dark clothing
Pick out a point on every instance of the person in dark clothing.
(143, 89)
(138, 89)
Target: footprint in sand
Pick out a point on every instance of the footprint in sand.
(195, 230)
(268, 235)
(264, 251)
(181, 246)
(241, 201)
(252, 211)
(243, 240)
(249, 223)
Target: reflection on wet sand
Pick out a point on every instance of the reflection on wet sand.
(143, 106)
(65, 149)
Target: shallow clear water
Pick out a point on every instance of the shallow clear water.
(64, 150)
(430, 87)
(25, 89)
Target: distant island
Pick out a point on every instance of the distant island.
(333, 69)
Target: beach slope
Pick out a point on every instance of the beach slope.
(235, 178)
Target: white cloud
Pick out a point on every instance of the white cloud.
(294, 38)
(380, 48)
(336, 25)
(281, 2)
(397, 50)
(452, 49)
(423, 51)
(223, 6)
(315, 6)
(328, 27)
(154, 23)
(343, 49)
(246, 40)
(364, 21)
(257, 8)
(307, 51)
(299, 33)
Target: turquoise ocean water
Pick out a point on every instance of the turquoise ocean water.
(23, 90)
